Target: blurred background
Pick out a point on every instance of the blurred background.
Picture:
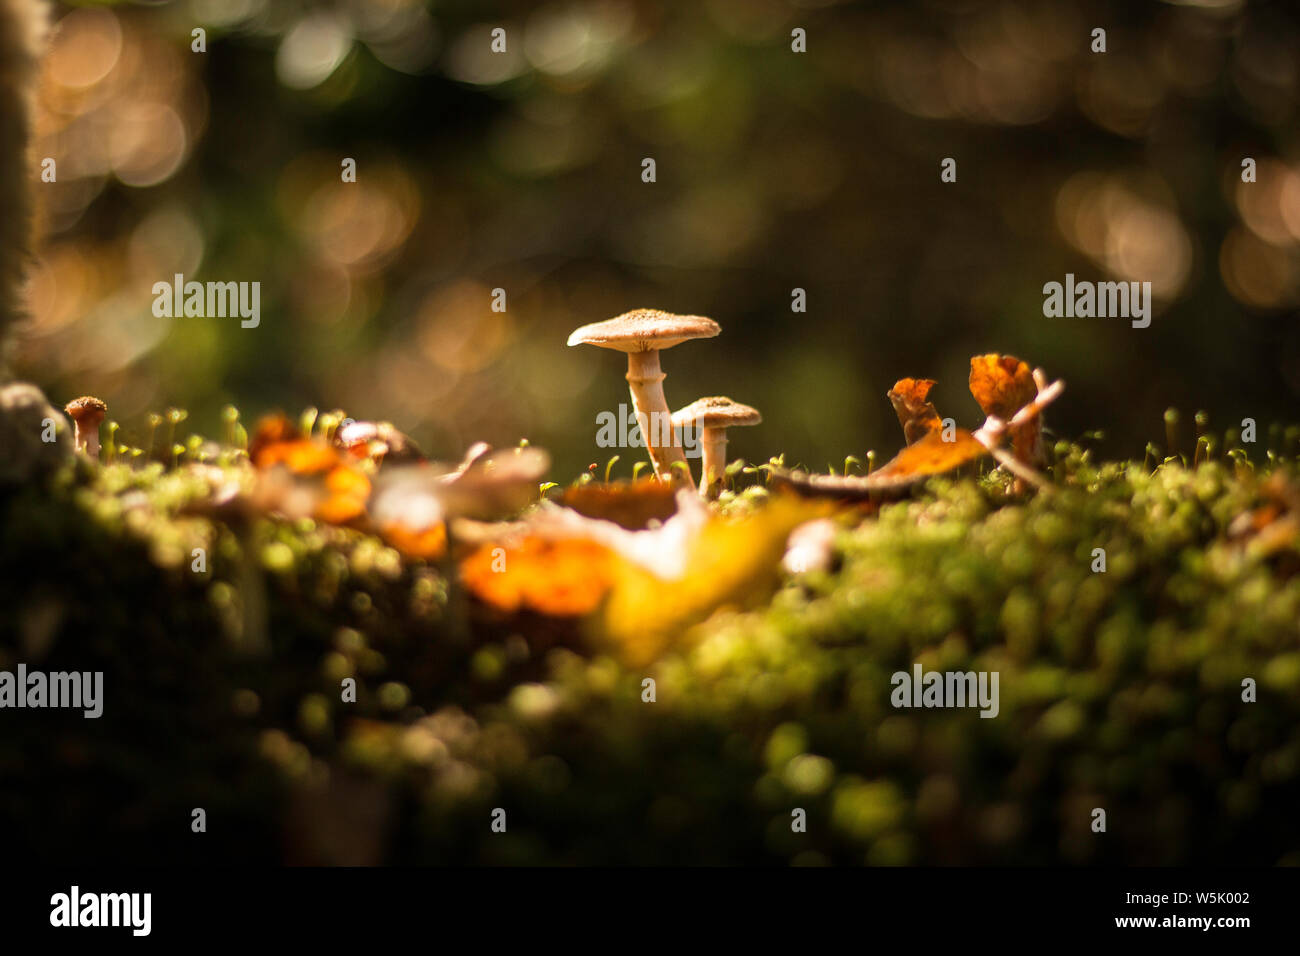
(775, 170)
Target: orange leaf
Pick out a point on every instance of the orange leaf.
(633, 505)
(303, 476)
(1003, 385)
(917, 415)
(427, 544)
(346, 492)
(300, 456)
(271, 430)
(561, 578)
(277, 441)
(929, 456)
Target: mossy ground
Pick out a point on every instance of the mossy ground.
(1119, 690)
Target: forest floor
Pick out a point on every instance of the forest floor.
(759, 725)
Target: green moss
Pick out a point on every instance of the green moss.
(1120, 690)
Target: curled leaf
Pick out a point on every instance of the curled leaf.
(1003, 385)
(916, 413)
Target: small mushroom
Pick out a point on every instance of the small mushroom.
(643, 334)
(713, 416)
(87, 412)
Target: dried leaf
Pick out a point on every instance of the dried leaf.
(917, 415)
(426, 544)
(559, 578)
(299, 455)
(729, 563)
(299, 476)
(1003, 384)
(346, 492)
(631, 505)
(662, 550)
(271, 430)
(928, 457)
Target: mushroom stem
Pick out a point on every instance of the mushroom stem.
(645, 380)
(714, 466)
(87, 438)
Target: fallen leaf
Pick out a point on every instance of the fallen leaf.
(930, 456)
(346, 492)
(298, 476)
(1003, 385)
(729, 563)
(632, 505)
(426, 544)
(559, 577)
(917, 415)
(301, 456)
(661, 550)
(271, 430)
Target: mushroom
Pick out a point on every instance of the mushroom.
(714, 416)
(643, 334)
(87, 412)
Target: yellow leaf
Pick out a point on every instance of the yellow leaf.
(731, 562)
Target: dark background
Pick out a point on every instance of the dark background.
(775, 170)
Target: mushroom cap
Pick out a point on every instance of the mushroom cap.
(86, 410)
(717, 411)
(644, 330)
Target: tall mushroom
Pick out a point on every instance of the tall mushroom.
(713, 416)
(643, 334)
(86, 413)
